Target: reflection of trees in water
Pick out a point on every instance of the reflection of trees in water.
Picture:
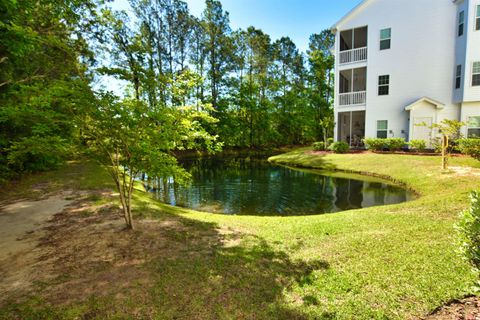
(382, 194)
(349, 194)
(251, 186)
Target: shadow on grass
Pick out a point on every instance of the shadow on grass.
(171, 267)
(225, 280)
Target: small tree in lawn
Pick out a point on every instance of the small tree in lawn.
(327, 124)
(449, 131)
(128, 138)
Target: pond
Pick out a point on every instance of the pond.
(248, 186)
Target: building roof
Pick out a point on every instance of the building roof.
(362, 5)
(436, 103)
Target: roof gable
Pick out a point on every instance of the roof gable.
(436, 104)
(362, 5)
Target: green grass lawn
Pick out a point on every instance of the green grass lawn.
(391, 262)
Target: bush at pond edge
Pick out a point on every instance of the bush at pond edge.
(339, 147)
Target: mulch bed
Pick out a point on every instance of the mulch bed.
(466, 309)
(404, 153)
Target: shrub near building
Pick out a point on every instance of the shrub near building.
(339, 147)
(418, 145)
(469, 147)
(395, 144)
(377, 144)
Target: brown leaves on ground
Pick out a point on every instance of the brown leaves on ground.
(466, 309)
(88, 252)
(168, 266)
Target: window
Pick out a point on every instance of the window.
(458, 77)
(477, 19)
(383, 85)
(385, 38)
(461, 23)
(382, 129)
(474, 127)
(476, 74)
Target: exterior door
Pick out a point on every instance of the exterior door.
(422, 132)
(351, 128)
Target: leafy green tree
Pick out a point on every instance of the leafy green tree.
(218, 45)
(126, 53)
(449, 131)
(320, 82)
(198, 57)
(44, 81)
(129, 138)
(289, 89)
(262, 93)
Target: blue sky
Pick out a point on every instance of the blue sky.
(297, 19)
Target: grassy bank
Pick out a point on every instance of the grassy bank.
(396, 261)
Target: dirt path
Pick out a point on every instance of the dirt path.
(21, 227)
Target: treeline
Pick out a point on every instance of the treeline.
(44, 81)
(262, 92)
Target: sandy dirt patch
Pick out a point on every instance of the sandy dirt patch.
(21, 225)
(465, 171)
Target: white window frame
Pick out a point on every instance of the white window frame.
(475, 72)
(469, 127)
(386, 39)
(383, 85)
(382, 130)
(458, 77)
(477, 18)
(461, 24)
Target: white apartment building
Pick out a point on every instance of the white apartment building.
(404, 62)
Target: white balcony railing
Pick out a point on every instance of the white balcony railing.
(352, 98)
(355, 55)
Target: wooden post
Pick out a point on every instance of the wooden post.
(444, 152)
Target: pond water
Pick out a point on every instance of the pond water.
(255, 187)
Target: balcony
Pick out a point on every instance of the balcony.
(352, 98)
(353, 45)
(352, 87)
(354, 55)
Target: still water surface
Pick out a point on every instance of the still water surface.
(255, 187)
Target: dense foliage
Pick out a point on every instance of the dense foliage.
(263, 92)
(43, 81)
(130, 139)
(319, 146)
(339, 147)
(375, 144)
(469, 229)
(470, 147)
(417, 145)
(379, 144)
